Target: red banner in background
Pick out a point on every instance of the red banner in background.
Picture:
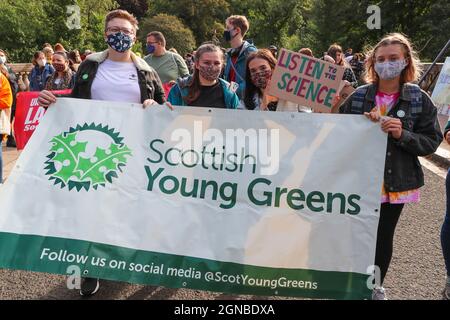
(167, 86)
(28, 115)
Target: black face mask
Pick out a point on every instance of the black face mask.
(227, 35)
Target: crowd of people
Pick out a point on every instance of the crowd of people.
(237, 79)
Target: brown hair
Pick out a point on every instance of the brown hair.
(194, 84)
(158, 36)
(36, 56)
(411, 72)
(62, 54)
(240, 22)
(250, 88)
(121, 14)
(306, 51)
(59, 48)
(332, 52)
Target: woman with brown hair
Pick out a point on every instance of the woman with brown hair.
(204, 88)
(409, 117)
(63, 77)
(259, 69)
(335, 51)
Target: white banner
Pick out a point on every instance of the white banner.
(225, 200)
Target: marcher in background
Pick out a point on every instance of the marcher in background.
(335, 51)
(59, 48)
(189, 59)
(236, 28)
(348, 52)
(259, 70)
(274, 50)
(48, 52)
(357, 64)
(74, 60)
(85, 54)
(169, 65)
(204, 88)
(40, 73)
(306, 51)
(409, 117)
(6, 100)
(63, 78)
(14, 84)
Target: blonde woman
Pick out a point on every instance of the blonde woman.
(408, 116)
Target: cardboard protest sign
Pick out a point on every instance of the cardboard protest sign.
(344, 94)
(306, 80)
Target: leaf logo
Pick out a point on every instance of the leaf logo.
(71, 164)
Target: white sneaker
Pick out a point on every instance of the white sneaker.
(379, 293)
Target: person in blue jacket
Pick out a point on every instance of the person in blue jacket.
(204, 88)
(41, 72)
(236, 28)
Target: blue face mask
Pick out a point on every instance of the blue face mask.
(120, 41)
(150, 48)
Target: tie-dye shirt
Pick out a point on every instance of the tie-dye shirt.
(385, 102)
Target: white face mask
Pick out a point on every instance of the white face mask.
(42, 62)
(390, 70)
(2, 60)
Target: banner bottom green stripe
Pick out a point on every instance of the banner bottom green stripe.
(55, 255)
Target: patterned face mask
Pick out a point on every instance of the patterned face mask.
(261, 79)
(59, 67)
(210, 73)
(390, 70)
(120, 41)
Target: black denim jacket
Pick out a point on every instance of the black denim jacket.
(421, 136)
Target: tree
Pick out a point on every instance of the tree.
(137, 7)
(176, 33)
(201, 16)
(31, 24)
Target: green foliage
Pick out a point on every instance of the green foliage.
(27, 25)
(177, 35)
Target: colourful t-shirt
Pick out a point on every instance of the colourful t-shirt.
(385, 102)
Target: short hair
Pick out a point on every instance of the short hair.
(239, 22)
(121, 14)
(158, 36)
(306, 51)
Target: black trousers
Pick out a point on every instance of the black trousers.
(389, 215)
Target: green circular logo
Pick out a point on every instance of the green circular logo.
(86, 156)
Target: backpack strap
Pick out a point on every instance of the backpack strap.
(358, 99)
(415, 93)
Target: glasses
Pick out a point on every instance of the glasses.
(150, 42)
(126, 31)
